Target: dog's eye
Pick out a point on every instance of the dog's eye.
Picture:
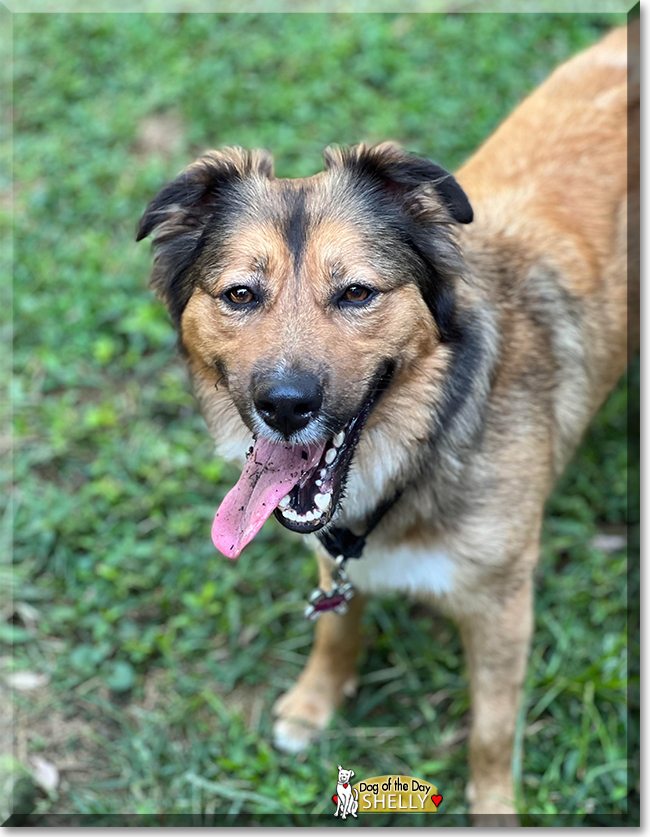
(356, 294)
(240, 295)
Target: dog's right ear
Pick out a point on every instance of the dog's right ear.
(177, 216)
(183, 204)
(339, 767)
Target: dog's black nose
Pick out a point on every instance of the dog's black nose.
(287, 401)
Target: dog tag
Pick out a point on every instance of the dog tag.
(335, 599)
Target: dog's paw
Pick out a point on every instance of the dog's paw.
(306, 710)
(293, 736)
(300, 718)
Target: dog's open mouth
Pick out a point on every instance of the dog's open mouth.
(313, 500)
(303, 485)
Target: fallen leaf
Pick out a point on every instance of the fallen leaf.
(46, 774)
(608, 543)
(24, 681)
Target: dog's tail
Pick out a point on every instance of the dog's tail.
(355, 794)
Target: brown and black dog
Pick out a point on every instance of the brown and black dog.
(358, 345)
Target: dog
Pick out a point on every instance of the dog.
(347, 798)
(402, 361)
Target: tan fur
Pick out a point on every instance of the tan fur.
(540, 276)
(520, 217)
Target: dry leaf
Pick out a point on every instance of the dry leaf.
(24, 681)
(608, 543)
(46, 774)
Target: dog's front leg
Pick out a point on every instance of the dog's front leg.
(330, 674)
(496, 642)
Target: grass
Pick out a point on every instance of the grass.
(161, 659)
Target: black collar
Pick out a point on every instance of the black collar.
(338, 541)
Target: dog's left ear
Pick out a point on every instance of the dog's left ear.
(352, 773)
(427, 191)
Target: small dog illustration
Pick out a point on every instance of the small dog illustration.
(346, 798)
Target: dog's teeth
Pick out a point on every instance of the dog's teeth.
(337, 441)
(330, 456)
(323, 472)
(284, 502)
(311, 515)
(323, 501)
(319, 483)
(290, 514)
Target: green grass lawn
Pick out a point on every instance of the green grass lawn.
(161, 658)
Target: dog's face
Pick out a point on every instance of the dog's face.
(300, 301)
(344, 775)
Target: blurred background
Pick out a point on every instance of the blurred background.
(145, 664)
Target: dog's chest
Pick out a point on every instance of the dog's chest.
(414, 570)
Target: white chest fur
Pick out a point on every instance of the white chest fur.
(413, 570)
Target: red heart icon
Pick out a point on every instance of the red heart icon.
(335, 799)
(345, 785)
(436, 799)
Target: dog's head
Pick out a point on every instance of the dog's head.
(344, 775)
(301, 301)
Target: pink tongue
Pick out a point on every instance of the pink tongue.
(271, 471)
